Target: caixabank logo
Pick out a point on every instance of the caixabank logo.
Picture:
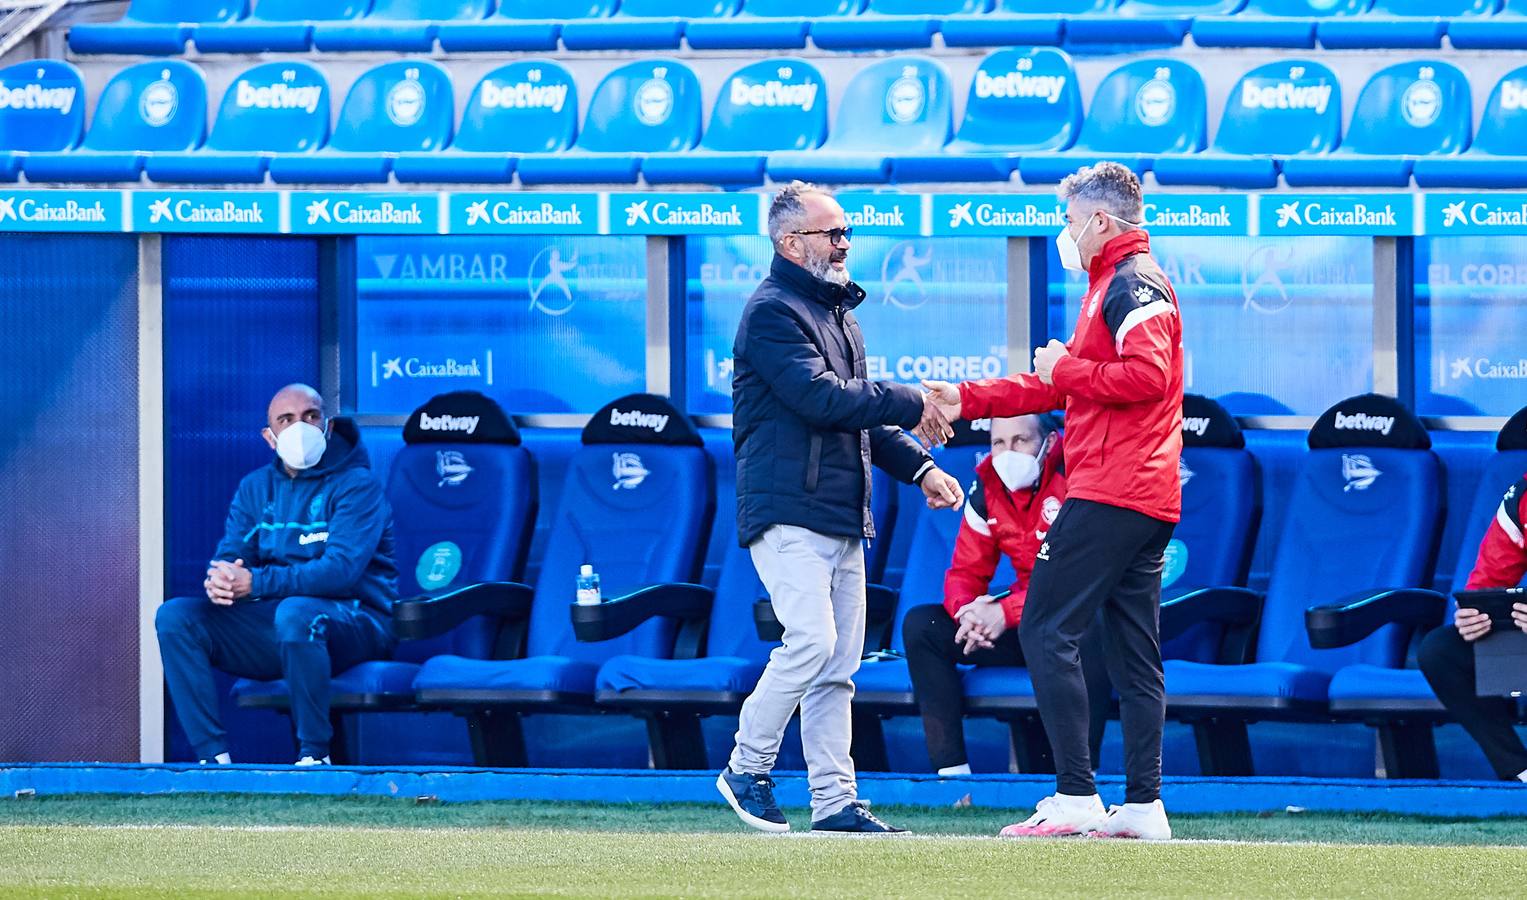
(60, 211)
(895, 214)
(1503, 213)
(524, 213)
(1359, 214)
(684, 214)
(344, 212)
(965, 215)
(1195, 214)
(206, 211)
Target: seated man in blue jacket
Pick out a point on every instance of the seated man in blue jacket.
(301, 586)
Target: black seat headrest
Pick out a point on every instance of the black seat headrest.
(460, 417)
(1206, 424)
(1369, 420)
(642, 419)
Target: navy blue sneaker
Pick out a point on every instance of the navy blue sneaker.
(854, 818)
(752, 799)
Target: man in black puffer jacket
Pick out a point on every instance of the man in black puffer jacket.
(808, 424)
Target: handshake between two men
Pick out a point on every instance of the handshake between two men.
(941, 403)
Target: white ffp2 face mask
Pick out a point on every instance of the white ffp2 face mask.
(1070, 254)
(1016, 469)
(301, 445)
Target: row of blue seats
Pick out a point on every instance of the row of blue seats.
(1365, 512)
(413, 26)
(895, 124)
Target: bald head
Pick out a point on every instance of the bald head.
(293, 403)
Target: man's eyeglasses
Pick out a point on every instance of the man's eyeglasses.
(835, 236)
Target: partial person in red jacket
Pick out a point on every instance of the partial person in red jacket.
(1017, 493)
(1447, 654)
(1119, 380)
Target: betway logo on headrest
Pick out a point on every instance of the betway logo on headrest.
(1198, 425)
(277, 96)
(1285, 95)
(1018, 86)
(654, 422)
(35, 96)
(1363, 422)
(1513, 95)
(774, 93)
(522, 95)
(1194, 216)
(428, 422)
(664, 213)
(868, 216)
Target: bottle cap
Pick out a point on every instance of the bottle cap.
(586, 570)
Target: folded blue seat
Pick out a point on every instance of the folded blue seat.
(1417, 24)
(1153, 22)
(46, 111)
(1498, 156)
(404, 26)
(765, 24)
(1272, 23)
(275, 26)
(642, 24)
(153, 27)
(517, 25)
(1018, 23)
(891, 24)
(1506, 30)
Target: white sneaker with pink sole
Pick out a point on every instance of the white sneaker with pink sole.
(1059, 815)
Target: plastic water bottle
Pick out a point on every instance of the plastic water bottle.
(588, 586)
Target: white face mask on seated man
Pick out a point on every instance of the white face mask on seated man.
(1018, 445)
(301, 445)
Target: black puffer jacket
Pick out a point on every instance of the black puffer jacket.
(807, 423)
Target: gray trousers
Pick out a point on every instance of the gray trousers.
(816, 583)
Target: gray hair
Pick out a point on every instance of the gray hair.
(787, 214)
(1113, 187)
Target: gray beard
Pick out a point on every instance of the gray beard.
(820, 268)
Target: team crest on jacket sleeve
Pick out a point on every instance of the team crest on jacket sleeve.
(1050, 510)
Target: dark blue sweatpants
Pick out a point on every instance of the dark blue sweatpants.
(301, 639)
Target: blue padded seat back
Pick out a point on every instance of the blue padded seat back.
(683, 9)
(309, 10)
(174, 11)
(1315, 9)
(42, 106)
(1023, 99)
(1221, 501)
(1503, 128)
(529, 106)
(1148, 106)
(808, 8)
(397, 106)
(1054, 7)
(649, 107)
(432, 10)
(927, 7)
(901, 104)
(1502, 471)
(1412, 109)
(1430, 8)
(279, 106)
(1179, 7)
(159, 105)
(777, 104)
(1283, 108)
(885, 502)
(567, 9)
(1361, 518)
(732, 632)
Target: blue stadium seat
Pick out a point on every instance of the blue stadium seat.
(642, 24)
(1415, 24)
(1416, 108)
(1155, 22)
(525, 107)
(1281, 109)
(777, 104)
(1272, 23)
(153, 27)
(1362, 526)
(394, 108)
(651, 106)
(277, 107)
(405, 26)
(517, 25)
(900, 105)
(275, 26)
(553, 450)
(1018, 22)
(891, 24)
(637, 506)
(1498, 156)
(45, 110)
(1141, 110)
(1506, 30)
(463, 506)
(765, 24)
(1020, 101)
(151, 106)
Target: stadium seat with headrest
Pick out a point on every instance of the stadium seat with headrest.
(891, 24)
(1415, 24)
(765, 24)
(778, 104)
(1020, 101)
(651, 106)
(1281, 109)
(463, 497)
(1144, 21)
(275, 26)
(277, 107)
(897, 105)
(159, 105)
(1411, 109)
(404, 26)
(1361, 527)
(517, 25)
(637, 506)
(1141, 110)
(394, 108)
(1398, 701)
(529, 106)
(1272, 23)
(46, 111)
(155, 27)
(1506, 30)
(1018, 22)
(1498, 156)
(642, 24)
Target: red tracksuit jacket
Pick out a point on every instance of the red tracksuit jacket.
(997, 522)
(1503, 553)
(1121, 386)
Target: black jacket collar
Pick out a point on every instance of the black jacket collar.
(803, 284)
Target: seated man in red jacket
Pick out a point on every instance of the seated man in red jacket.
(1018, 492)
(1447, 654)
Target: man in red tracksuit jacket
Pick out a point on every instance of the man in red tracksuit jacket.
(1119, 380)
(1017, 493)
(1447, 654)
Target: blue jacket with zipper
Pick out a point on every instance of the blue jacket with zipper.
(325, 532)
